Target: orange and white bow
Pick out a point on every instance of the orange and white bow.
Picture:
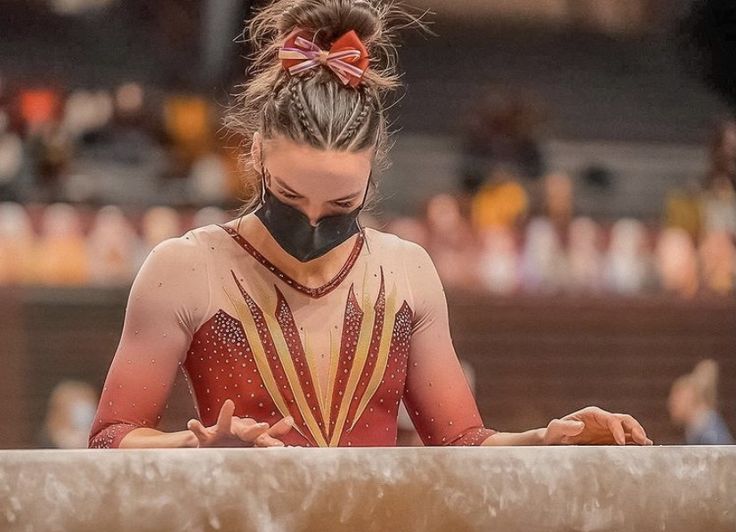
(347, 57)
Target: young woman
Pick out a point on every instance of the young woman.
(293, 324)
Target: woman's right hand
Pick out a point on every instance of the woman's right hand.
(232, 431)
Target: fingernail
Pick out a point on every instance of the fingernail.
(289, 420)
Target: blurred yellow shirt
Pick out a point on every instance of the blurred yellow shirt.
(683, 210)
(502, 204)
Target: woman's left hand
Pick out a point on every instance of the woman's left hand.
(595, 426)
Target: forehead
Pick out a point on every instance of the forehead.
(309, 170)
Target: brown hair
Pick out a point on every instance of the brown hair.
(315, 107)
(703, 381)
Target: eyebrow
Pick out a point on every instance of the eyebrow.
(291, 190)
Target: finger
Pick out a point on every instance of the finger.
(238, 423)
(617, 430)
(198, 429)
(265, 440)
(634, 427)
(251, 433)
(281, 427)
(225, 418)
(246, 421)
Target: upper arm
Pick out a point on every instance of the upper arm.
(167, 300)
(437, 395)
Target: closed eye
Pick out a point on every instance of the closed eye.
(290, 195)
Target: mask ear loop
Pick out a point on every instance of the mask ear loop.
(263, 191)
(263, 182)
(362, 204)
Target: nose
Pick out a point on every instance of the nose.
(314, 214)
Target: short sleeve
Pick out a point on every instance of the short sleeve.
(437, 395)
(167, 302)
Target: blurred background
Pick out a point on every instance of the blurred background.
(569, 165)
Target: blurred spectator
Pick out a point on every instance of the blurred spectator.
(544, 265)
(585, 258)
(113, 248)
(208, 180)
(188, 120)
(677, 262)
(69, 415)
(500, 202)
(498, 263)
(51, 151)
(86, 112)
(158, 224)
(39, 107)
(719, 196)
(126, 147)
(682, 210)
(409, 229)
(692, 405)
(62, 250)
(501, 133)
(17, 242)
(451, 243)
(208, 216)
(11, 159)
(718, 263)
(558, 200)
(627, 262)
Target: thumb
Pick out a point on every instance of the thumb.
(570, 427)
(559, 429)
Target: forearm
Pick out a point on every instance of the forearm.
(142, 438)
(530, 437)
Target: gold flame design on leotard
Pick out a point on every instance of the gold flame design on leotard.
(286, 367)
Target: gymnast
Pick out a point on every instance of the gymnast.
(293, 324)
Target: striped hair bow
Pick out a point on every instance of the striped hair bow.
(347, 57)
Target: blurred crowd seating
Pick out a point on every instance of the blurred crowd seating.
(624, 257)
(133, 144)
(65, 244)
(75, 245)
(90, 181)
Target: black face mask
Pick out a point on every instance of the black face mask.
(291, 228)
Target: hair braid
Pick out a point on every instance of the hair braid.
(305, 119)
(359, 120)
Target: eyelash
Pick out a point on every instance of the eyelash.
(341, 204)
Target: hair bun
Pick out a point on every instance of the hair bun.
(330, 19)
(375, 23)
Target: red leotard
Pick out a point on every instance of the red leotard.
(338, 358)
